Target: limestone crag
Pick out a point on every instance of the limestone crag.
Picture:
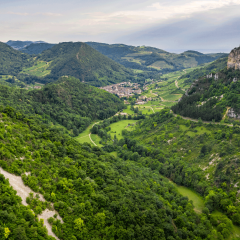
(234, 59)
(231, 113)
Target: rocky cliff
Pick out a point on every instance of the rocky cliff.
(234, 59)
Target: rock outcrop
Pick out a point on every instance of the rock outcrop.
(231, 113)
(234, 59)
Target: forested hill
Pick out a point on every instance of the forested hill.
(210, 96)
(83, 62)
(67, 102)
(150, 58)
(12, 61)
(97, 195)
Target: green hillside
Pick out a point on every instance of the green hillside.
(67, 102)
(149, 58)
(97, 195)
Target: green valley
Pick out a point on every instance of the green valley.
(95, 194)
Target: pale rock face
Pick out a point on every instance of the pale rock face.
(234, 59)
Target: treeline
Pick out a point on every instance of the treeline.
(96, 194)
(67, 102)
(188, 107)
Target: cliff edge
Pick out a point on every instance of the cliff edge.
(234, 59)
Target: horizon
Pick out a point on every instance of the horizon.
(176, 51)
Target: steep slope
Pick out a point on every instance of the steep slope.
(67, 102)
(12, 61)
(97, 195)
(36, 48)
(149, 58)
(83, 62)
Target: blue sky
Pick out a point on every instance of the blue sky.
(176, 25)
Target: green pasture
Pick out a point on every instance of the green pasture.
(128, 110)
(84, 136)
(117, 127)
(96, 139)
(196, 198)
(145, 109)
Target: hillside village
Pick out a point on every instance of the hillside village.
(123, 89)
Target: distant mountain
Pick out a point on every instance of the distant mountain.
(36, 48)
(149, 58)
(18, 45)
(215, 92)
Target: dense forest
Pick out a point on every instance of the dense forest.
(208, 98)
(67, 102)
(97, 195)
